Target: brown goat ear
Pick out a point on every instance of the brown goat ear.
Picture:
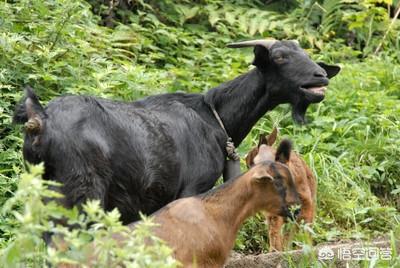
(250, 157)
(262, 176)
(283, 151)
(272, 137)
(262, 139)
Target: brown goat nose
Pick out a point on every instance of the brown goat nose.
(296, 213)
(291, 216)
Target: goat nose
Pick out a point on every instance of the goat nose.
(293, 213)
(291, 216)
(296, 213)
(320, 73)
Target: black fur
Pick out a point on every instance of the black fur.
(139, 156)
(283, 151)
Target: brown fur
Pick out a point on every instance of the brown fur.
(202, 229)
(305, 183)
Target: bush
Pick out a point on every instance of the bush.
(95, 227)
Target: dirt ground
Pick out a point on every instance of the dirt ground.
(299, 258)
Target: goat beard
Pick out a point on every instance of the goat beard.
(299, 112)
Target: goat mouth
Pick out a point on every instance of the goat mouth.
(317, 90)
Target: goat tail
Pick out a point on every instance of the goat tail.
(30, 112)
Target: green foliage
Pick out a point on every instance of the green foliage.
(352, 142)
(94, 233)
(359, 25)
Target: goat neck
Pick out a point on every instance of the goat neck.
(242, 101)
(230, 205)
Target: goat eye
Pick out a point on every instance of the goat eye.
(279, 59)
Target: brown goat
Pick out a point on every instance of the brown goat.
(202, 229)
(305, 184)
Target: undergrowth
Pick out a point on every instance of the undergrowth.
(352, 139)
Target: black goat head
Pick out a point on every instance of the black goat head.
(296, 78)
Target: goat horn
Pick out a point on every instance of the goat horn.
(261, 42)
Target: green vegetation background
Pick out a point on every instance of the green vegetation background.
(352, 141)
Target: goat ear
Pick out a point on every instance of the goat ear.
(272, 137)
(250, 157)
(260, 57)
(262, 176)
(283, 151)
(262, 139)
(331, 70)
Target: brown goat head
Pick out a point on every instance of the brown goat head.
(304, 181)
(274, 180)
(267, 141)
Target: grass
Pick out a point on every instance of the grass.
(352, 142)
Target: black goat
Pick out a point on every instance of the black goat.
(139, 156)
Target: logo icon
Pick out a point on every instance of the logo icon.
(325, 253)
